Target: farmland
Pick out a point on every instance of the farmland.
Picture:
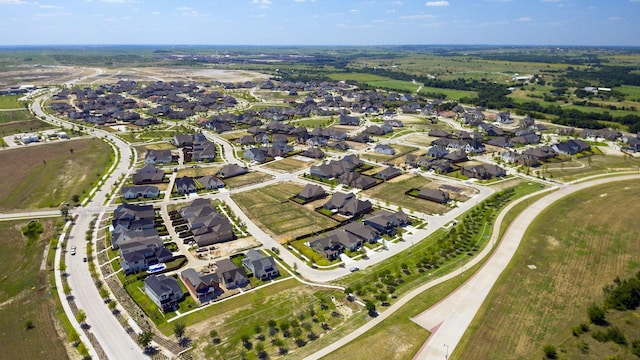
(584, 250)
(48, 175)
(269, 208)
(29, 330)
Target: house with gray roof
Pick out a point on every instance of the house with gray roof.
(158, 157)
(231, 170)
(384, 149)
(263, 267)
(211, 182)
(148, 174)
(232, 276)
(164, 291)
(435, 195)
(140, 191)
(311, 192)
(386, 222)
(202, 287)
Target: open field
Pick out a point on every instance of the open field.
(577, 248)
(25, 296)
(284, 220)
(17, 115)
(10, 102)
(596, 164)
(316, 122)
(290, 164)
(47, 175)
(450, 93)
(393, 192)
(633, 92)
(246, 179)
(18, 127)
(198, 171)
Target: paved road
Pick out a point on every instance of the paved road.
(116, 343)
(449, 319)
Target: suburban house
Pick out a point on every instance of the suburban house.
(388, 173)
(571, 147)
(363, 231)
(158, 157)
(164, 291)
(132, 223)
(140, 191)
(203, 288)
(314, 153)
(204, 151)
(206, 224)
(347, 204)
(231, 170)
(232, 276)
(349, 120)
(255, 154)
(137, 256)
(311, 192)
(484, 171)
(148, 174)
(334, 169)
(211, 182)
(263, 267)
(437, 152)
(329, 247)
(357, 180)
(185, 185)
(384, 149)
(435, 195)
(456, 156)
(387, 222)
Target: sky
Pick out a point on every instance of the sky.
(320, 22)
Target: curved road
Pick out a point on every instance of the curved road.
(114, 340)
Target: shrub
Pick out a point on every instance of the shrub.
(596, 315)
(550, 352)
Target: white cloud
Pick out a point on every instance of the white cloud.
(524, 19)
(417, 16)
(155, 13)
(437, 3)
(263, 3)
(116, 1)
(614, 18)
(354, 11)
(13, 2)
(50, 7)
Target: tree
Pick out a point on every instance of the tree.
(75, 198)
(81, 316)
(179, 329)
(144, 338)
(596, 315)
(215, 338)
(371, 307)
(260, 351)
(550, 352)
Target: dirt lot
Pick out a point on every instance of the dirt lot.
(42, 176)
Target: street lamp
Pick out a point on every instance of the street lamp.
(446, 356)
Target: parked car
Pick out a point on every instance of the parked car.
(73, 250)
(354, 269)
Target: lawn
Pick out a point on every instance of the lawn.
(319, 122)
(577, 249)
(450, 93)
(10, 102)
(18, 115)
(26, 296)
(268, 208)
(392, 192)
(632, 92)
(47, 175)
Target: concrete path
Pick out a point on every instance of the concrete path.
(449, 319)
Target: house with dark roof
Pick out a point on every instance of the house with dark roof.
(255, 154)
(388, 173)
(202, 287)
(386, 222)
(206, 224)
(484, 171)
(148, 174)
(314, 153)
(261, 266)
(211, 182)
(158, 157)
(384, 149)
(164, 291)
(364, 232)
(311, 192)
(435, 195)
(437, 152)
(347, 204)
(185, 185)
(349, 120)
(456, 156)
(232, 276)
(329, 247)
(571, 147)
(231, 170)
(357, 180)
(137, 256)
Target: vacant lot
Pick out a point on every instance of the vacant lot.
(10, 102)
(577, 246)
(290, 164)
(18, 115)
(44, 176)
(247, 179)
(25, 296)
(590, 165)
(392, 192)
(270, 209)
(18, 127)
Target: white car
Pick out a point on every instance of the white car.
(73, 250)
(354, 269)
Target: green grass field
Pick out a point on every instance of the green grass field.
(18, 127)
(269, 208)
(247, 179)
(26, 297)
(577, 247)
(632, 92)
(10, 102)
(48, 175)
(289, 164)
(12, 116)
(450, 93)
